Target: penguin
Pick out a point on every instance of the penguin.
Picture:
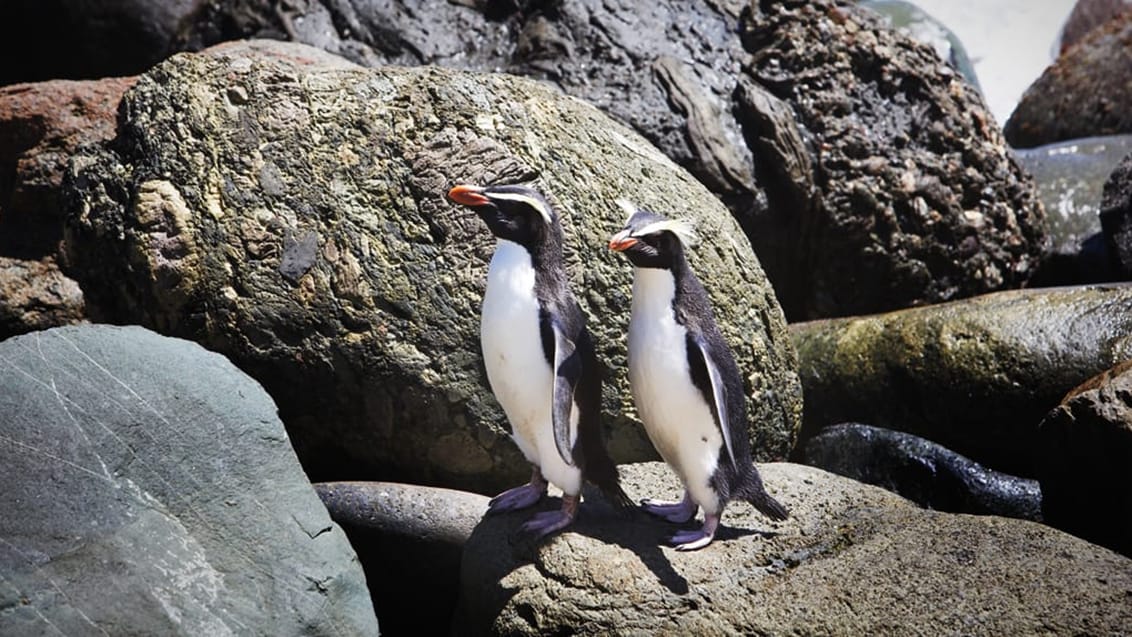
(684, 380)
(539, 356)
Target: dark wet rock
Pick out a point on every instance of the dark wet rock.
(922, 471)
(917, 24)
(200, 221)
(150, 489)
(852, 559)
(410, 540)
(1087, 92)
(41, 127)
(1085, 447)
(1086, 16)
(1116, 219)
(976, 376)
(58, 39)
(1070, 177)
(920, 199)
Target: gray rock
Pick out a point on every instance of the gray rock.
(1116, 218)
(851, 560)
(1085, 446)
(921, 201)
(926, 473)
(410, 540)
(150, 489)
(976, 376)
(1086, 93)
(287, 208)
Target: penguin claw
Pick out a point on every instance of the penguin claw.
(677, 512)
(516, 498)
(691, 540)
(547, 522)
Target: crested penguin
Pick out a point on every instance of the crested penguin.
(684, 380)
(539, 356)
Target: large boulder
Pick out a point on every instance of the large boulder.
(851, 560)
(908, 193)
(909, 155)
(287, 208)
(976, 376)
(149, 488)
(1086, 93)
(1086, 471)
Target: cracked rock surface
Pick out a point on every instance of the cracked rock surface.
(151, 489)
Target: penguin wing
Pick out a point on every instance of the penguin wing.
(567, 371)
(719, 393)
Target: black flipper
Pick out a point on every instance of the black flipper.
(567, 371)
(719, 393)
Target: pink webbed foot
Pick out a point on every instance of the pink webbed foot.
(692, 540)
(678, 512)
(520, 497)
(547, 522)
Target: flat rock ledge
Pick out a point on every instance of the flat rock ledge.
(851, 560)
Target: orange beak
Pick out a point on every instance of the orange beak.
(468, 195)
(621, 241)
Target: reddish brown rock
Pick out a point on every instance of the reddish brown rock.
(1088, 15)
(1086, 93)
(42, 126)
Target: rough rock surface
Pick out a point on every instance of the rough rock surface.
(149, 488)
(50, 39)
(920, 201)
(1088, 15)
(35, 295)
(851, 560)
(1116, 218)
(292, 215)
(1087, 92)
(976, 376)
(926, 473)
(1086, 469)
(410, 540)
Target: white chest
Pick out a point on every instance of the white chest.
(677, 419)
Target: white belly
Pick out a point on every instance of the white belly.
(517, 369)
(677, 419)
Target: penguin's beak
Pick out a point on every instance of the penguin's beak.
(621, 241)
(468, 195)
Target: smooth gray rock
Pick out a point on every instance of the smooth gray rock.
(852, 559)
(149, 488)
(976, 376)
(926, 473)
(287, 208)
(1085, 446)
(410, 540)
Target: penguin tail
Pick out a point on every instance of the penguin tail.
(609, 482)
(755, 493)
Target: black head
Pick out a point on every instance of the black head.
(650, 240)
(515, 213)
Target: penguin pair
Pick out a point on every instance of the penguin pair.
(542, 368)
